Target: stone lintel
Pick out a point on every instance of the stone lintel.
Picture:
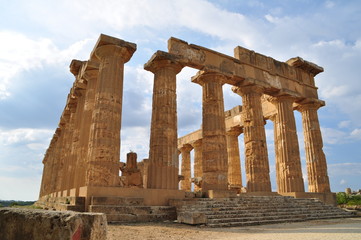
(247, 63)
(233, 112)
(307, 66)
(108, 40)
(75, 66)
(161, 59)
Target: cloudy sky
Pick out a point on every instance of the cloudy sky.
(38, 39)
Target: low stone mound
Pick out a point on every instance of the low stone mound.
(34, 224)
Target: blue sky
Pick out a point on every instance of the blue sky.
(38, 39)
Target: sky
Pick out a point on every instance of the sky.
(38, 40)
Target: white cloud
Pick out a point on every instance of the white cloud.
(135, 139)
(25, 135)
(329, 4)
(343, 182)
(356, 134)
(347, 169)
(344, 124)
(20, 53)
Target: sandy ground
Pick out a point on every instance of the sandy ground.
(336, 229)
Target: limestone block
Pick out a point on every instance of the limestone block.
(17, 224)
(221, 193)
(192, 218)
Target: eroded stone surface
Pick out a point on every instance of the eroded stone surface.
(18, 224)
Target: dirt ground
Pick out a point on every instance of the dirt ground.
(336, 229)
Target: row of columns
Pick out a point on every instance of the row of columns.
(288, 165)
(85, 148)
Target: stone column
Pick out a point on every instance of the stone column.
(198, 162)
(287, 149)
(57, 177)
(214, 149)
(90, 76)
(49, 163)
(257, 165)
(234, 159)
(104, 138)
(277, 159)
(186, 167)
(78, 91)
(318, 180)
(163, 154)
(67, 164)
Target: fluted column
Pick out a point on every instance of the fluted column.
(318, 180)
(49, 163)
(186, 167)
(104, 139)
(198, 162)
(214, 149)
(163, 153)
(234, 159)
(287, 149)
(90, 76)
(257, 165)
(65, 157)
(277, 159)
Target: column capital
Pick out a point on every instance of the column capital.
(161, 60)
(75, 66)
(197, 143)
(281, 98)
(236, 131)
(241, 90)
(90, 74)
(123, 52)
(307, 104)
(202, 77)
(186, 148)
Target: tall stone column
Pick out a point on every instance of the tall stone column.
(163, 154)
(104, 139)
(287, 149)
(78, 90)
(90, 75)
(277, 159)
(318, 180)
(186, 167)
(198, 161)
(234, 159)
(257, 165)
(66, 161)
(214, 149)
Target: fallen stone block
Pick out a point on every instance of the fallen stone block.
(192, 218)
(34, 224)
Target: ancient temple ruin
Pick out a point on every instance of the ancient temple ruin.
(81, 165)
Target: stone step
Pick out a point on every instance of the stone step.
(227, 219)
(250, 208)
(117, 201)
(133, 210)
(253, 211)
(273, 221)
(236, 214)
(129, 218)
